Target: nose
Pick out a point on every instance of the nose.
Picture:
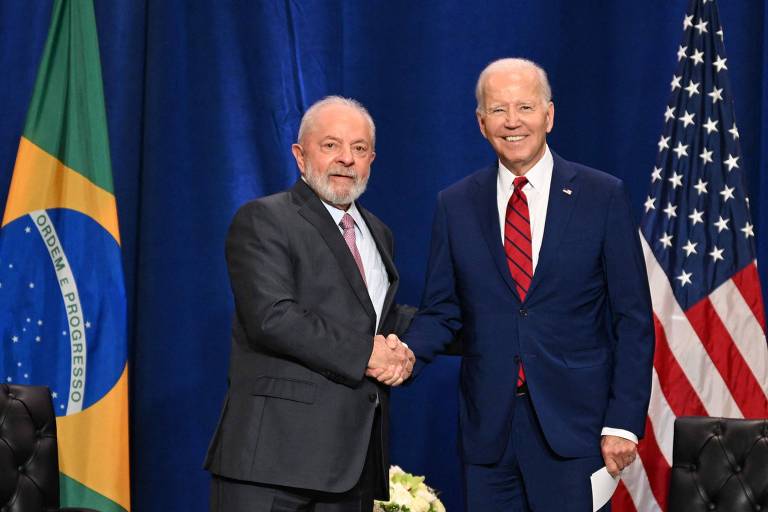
(345, 156)
(511, 119)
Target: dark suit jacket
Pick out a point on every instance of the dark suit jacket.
(299, 411)
(584, 331)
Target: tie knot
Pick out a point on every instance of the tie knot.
(347, 222)
(520, 182)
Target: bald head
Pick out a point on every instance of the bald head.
(512, 65)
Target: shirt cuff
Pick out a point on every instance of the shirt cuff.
(626, 434)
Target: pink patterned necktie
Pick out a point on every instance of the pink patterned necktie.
(348, 225)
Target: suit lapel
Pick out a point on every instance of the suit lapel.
(379, 237)
(487, 210)
(559, 211)
(312, 209)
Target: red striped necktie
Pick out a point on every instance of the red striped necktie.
(518, 247)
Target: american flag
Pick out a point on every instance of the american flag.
(698, 239)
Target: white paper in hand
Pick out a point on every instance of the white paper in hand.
(603, 486)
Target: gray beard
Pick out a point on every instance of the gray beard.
(323, 188)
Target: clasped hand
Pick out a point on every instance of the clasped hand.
(391, 361)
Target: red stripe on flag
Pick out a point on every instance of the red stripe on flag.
(679, 392)
(725, 355)
(621, 500)
(747, 281)
(656, 467)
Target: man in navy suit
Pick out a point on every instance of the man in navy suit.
(536, 264)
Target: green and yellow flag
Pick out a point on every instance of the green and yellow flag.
(62, 295)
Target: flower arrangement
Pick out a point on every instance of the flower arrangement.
(408, 493)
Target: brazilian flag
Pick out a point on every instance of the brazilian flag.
(62, 295)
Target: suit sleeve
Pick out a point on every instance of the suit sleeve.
(439, 318)
(259, 260)
(631, 316)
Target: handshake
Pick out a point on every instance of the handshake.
(391, 361)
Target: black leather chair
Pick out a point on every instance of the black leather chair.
(29, 459)
(719, 464)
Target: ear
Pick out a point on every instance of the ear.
(481, 123)
(298, 154)
(373, 157)
(550, 116)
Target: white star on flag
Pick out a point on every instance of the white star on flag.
(710, 125)
(722, 224)
(748, 230)
(706, 156)
(697, 57)
(690, 248)
(666, 240)
(687, 119)
(676, 180)
(716, 95)
(681, 149)
(701, 187)
(720, 64)
(717, 254)
(685, 278)
(727, 193)
(731, 162)
(695, 217)
(649, 203)
(670, 210)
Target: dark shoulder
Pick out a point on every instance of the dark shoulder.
(594, 178)
(485, 176)
(267, 210)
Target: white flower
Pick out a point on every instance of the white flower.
(399, 494)
(409, 493)
(419, 505)
(424, 493)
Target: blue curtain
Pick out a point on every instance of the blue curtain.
(204, 99)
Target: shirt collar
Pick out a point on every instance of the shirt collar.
(537, 176)
(337, 214)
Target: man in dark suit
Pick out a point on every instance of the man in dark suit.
(304, 424)
(536, 263)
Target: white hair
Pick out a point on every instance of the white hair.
(308, 119)
(512, 64)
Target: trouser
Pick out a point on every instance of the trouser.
(530, 476)
(229, 495)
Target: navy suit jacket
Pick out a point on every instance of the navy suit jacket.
(584, 331)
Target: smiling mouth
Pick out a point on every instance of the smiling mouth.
(514, 138)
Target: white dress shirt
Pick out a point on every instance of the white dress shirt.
(537, 193)
(375, 272)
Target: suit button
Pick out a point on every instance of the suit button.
(523, 312)
(372, 397)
